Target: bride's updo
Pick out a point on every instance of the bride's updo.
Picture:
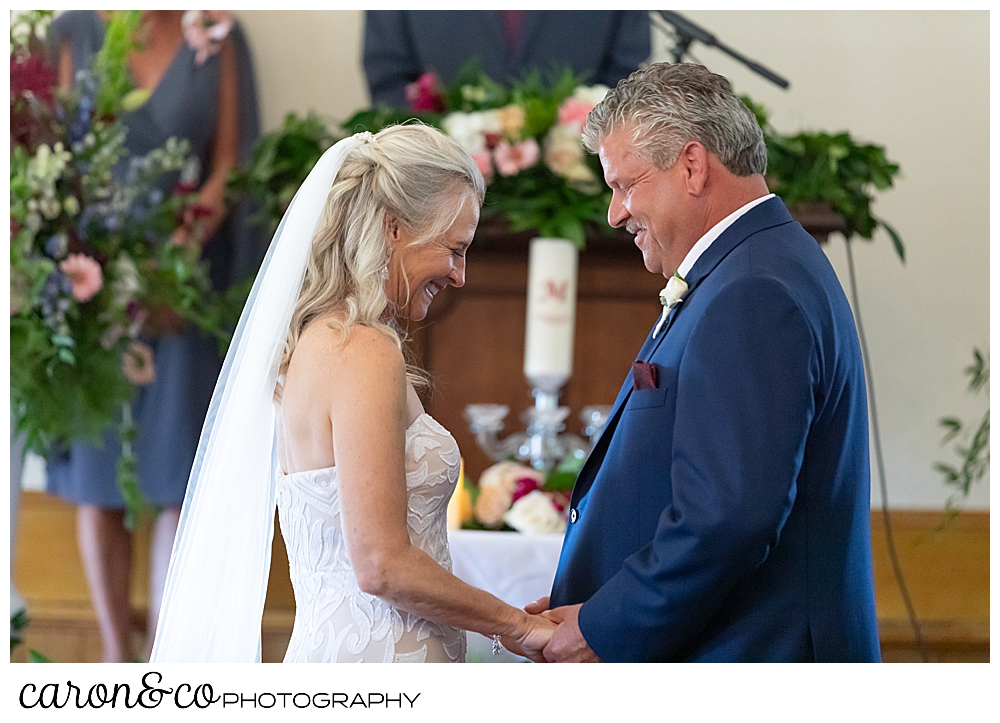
(412, 174)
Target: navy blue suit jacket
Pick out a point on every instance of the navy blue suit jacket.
(725, 514)
(401, 45)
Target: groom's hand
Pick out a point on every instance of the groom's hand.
(567, 644)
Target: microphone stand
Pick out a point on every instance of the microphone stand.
(687, 32)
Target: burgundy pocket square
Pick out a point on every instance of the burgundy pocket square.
(643, 375)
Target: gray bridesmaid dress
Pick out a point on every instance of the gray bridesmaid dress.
(171, 410)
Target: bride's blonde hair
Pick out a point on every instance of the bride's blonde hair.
(410, 174)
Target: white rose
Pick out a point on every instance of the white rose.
(535, 514)
(673, 292)
(467, 130)
(592, 94)
(492, 121)
(563, 149)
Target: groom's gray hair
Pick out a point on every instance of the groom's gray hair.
(667, 105)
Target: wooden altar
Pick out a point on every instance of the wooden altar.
(472, 341)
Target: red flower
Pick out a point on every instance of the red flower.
(30, 74)
(424, 95)
(522, 486)
(199, 210)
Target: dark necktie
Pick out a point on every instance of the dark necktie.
(511, 20)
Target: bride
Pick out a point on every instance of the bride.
(316, 413)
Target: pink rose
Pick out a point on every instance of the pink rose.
(491, 505)
(574, 112)
(482, 159)
(424, 94)
(85, 273)
(512, 159)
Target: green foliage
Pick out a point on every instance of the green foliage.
(563, 476)
(280, 161)
(111, 61)
(971, 445)
(820, 167)
(18, 622)
(473, 90)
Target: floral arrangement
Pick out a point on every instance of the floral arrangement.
(92, 266)
(525, 140)
(511, 496)
(833, 170)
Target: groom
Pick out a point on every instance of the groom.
(724, 513)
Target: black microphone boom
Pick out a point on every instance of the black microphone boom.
(688, 32)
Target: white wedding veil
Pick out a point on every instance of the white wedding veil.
(213, 601)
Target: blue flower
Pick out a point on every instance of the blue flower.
(56, 246)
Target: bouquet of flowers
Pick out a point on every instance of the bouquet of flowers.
(526, 141)
(511, 496)
(91, 258)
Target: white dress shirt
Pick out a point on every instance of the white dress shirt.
(704, 242)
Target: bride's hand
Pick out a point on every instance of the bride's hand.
(532, 639)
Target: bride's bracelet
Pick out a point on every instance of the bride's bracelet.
(496, 645)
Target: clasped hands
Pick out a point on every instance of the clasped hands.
(555, 638)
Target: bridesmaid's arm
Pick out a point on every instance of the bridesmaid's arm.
(225, 155)
(65, 70)
(368, 411)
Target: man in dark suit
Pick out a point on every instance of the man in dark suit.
(724, 513)
(401, 45)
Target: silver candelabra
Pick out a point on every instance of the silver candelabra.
(544, 443)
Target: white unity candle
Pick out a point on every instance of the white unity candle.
(548, 345)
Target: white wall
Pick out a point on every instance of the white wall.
(916, 82)
(307, 60)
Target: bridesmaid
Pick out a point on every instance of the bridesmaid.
(204, 92)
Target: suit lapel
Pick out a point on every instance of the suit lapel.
(768, 214)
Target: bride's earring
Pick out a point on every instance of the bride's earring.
(384, 273)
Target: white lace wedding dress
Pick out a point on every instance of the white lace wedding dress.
(335, 622)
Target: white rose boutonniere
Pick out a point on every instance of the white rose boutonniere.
(670, 296)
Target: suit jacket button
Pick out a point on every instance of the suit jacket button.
(573, 515)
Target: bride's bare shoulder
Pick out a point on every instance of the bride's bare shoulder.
(361, 353)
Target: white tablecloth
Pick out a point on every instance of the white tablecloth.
(516, 568)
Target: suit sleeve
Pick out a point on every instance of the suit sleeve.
(389, 56)
(628, 46)
(744, 405)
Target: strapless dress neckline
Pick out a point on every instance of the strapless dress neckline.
(333, 468)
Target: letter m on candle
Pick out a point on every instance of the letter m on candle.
(555, 289)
